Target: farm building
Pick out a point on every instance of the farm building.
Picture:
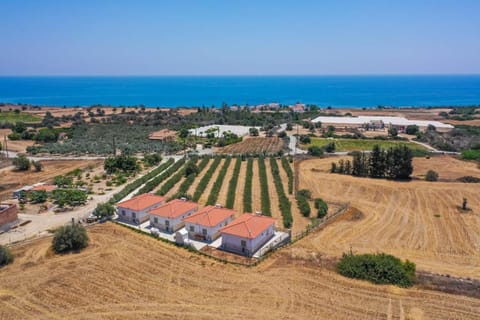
(379, 122)
(136, 209)
(169, 217)
(206, 223)
(163, 135)
(219, 130)
(247, 233)
(8, 213)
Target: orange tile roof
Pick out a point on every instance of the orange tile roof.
(141, 202)
(174, 208)
(210, 216)
(46, 187)
(248, 225)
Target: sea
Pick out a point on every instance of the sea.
(188, 91)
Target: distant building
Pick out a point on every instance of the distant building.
(136, 209)
(169, 216)
(163, 135)
(8, 213)
(247, 233)
(206, 223)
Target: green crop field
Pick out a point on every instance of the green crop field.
(12, 117)
(363, 144)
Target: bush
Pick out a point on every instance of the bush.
(38, 196)
(283, 202)
(378, 268)
(469, 179)
(265, 197)
(37, 165)
(431, 175)
(120, 163)
(315, 151)
(104, 211)
(6, 256)
(471, 154)
(330, 147)
(288, 170)
(321, 206)
(70, 238)
(304, 139)
(21, 163)
(247, 192)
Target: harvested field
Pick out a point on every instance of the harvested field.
(363, 144)
(417, 220)
(447, 167)
(15, 145)
(13, 179)
(254, 145)
(104, 282)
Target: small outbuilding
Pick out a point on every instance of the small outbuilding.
(247, 233)
(206, 223)
(169, 216)
(136, 209)
(8, 213)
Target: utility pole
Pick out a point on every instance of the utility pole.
(6, 148)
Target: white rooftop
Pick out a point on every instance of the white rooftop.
(399, 121)
(238, 130)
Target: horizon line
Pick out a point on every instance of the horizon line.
(243, 75)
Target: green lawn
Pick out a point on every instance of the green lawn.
(12, 117)
(363, 144)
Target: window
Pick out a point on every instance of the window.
(123, 212)
(192, 228)
(155, 220)
(167, 223)
(204, 232)
(134, 215)
(243, 243)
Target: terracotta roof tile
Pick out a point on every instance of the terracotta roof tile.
(141, 202)
(210, 216)
(248, 225)
(174, 208)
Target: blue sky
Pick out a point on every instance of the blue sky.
(239, 37)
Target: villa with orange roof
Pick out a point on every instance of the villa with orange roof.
(136, 209)
(247, 233)
(206, 223)
(169, 217)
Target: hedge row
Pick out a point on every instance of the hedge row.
(137, 183)
(150, 185)
(232, 186)
(288, 170)
(284, 204)
(183, 188)
(321, 206)
(247, 193)
(212, 198)
(262, 171)
(205, 179)
(302, 201)
(168, 185)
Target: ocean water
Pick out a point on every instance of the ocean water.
(173, 91)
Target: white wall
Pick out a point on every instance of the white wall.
(212, 232)
(141, 216)
(234, 243)
(174, 223)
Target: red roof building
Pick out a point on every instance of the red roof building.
(136, 209)
(169, 216)
(206, 223)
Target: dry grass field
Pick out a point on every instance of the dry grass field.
(125, 275)
(417, 220)
(12, 180)
(254, 145)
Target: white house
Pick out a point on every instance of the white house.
(169, 217)
(247, 233)
(206, 223)
(135, 210)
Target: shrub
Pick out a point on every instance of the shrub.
(120, 163)
(212, 198)
(469, 179)
(378, 268)
(412, 129)
(330, 147)
(471, 154)
(71, 197)
(37, 165)
(321, 206)
(70, 238)
(288, 170)
(21, 163)
(6, 256)
(315, 151)
(262, 172)
(283, 203)
(431, 175)
(38, 196)
(247, 193)
(205, 179)
(304, 139)
(104, 210)
(232, 185)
